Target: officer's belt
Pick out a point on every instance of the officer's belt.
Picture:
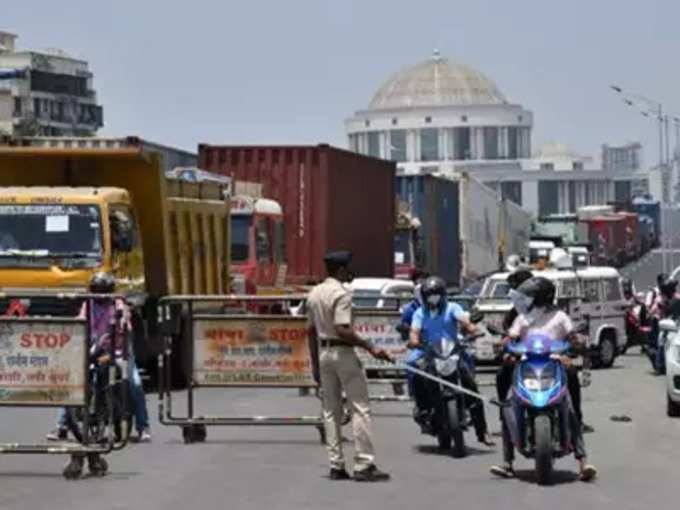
(333, 342)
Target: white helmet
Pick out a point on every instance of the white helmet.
(513, 263)
(560, 259)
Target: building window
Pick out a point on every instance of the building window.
(367, 123)
(353, 143)
(428, 120)
(547, 167)
(513, 143)
(398, 145)
(374, 144)
(395, 121)
(577, 165)
(461, 143)
(512, 190)
(17, 107)
(548, 197)
(490, 142)
(429, 144)
(36, 107)
(464, 118)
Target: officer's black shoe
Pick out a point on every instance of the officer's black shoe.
(371, 474)
(339, 474)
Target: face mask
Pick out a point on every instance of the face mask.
(433, 301)
(521, 302)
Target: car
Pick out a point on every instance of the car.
(375, 292)
(593, 292)
(672, 353)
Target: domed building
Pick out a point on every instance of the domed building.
(439, 112)
(443, 116)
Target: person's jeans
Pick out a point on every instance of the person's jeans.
(136, 394)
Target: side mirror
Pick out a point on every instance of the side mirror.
(668, 325)
(121, 237)
(476, 316)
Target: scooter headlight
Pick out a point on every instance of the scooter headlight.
(446, 367)
(539, 380)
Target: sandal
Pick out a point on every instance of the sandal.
(502, 471)
(588, 473)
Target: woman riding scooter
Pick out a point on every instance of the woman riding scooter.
(534, 300)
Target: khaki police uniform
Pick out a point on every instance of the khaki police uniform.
(330, 305)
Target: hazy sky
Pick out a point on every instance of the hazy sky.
(290, 71)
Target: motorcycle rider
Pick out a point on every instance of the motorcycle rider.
(435, 318)
(534, 300)
(101, 313)
(660, 310)
(410, 309)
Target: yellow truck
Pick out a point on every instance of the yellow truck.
(70, 208)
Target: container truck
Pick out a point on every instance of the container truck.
(466, 230)
(607, 236)
(330, 198)
(70, 208)
(408, 253)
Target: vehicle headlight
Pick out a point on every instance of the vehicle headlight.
(531, 383)
(446, 366)
(446, 347)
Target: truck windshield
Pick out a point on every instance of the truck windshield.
(402, 248)
(240, 228)
(40, 231)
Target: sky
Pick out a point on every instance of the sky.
(260, 72)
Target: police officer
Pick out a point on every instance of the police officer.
(329, 317)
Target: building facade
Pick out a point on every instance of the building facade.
(45, 93)
(441, 116)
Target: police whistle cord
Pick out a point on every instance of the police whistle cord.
(448, 384)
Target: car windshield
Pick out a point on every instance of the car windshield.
(47, 231)
(495, 292)
(240, 228)
(402, 250)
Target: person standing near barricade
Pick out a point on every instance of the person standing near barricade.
(329, 317)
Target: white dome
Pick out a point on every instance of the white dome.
(436, 82)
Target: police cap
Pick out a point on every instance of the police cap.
(338, 258)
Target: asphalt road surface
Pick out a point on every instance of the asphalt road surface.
(285, 468)
(643, 272)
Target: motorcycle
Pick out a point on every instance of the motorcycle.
(638, 326)
(539, 418)
(447, 412)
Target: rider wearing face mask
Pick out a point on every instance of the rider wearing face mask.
(435, 319)
(534, 301)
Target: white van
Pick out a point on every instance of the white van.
(598, 295)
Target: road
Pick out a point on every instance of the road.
(644, 271)
(284, 468)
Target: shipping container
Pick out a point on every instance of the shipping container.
(466, 229)
(633, 246)
(591, 211)
(434, 202)
(331, 199)
(646, 206)
(569, 230)
(608, 239)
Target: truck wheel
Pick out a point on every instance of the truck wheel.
(607, 353)
(456, 428)
(672, 408)
(544, 449)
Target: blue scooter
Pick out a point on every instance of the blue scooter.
(539, 416)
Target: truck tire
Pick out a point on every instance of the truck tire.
(456, 428)
(607, 351)
(672, 408)
(544, 449)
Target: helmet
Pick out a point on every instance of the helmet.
(518, 278)
(433, 291)
(539, 290)
(102, 283)
(513, 263)
(668, 288)
(627, 286)
(660, 279)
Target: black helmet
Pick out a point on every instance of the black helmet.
(627, 286)
(434, 286)
(660, 279)
(668, 288)
(102, 283)
(518, 277)
(539, 289)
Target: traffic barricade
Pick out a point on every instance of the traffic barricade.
(45, 363)
(234, 350)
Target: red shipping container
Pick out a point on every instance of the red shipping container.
(632, 234)
(332, 199)
(608, 238)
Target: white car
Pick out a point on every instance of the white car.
(592, 291)
(375, 292)
(672, 367)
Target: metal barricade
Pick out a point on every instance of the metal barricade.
(45, 362)
(228, 348)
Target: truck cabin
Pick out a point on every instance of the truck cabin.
(539, 252)
(258, 249)
(60, 236)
